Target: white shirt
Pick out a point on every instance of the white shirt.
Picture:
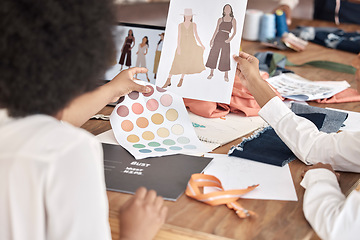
(341, 150)
(51, 181)
(328, 211)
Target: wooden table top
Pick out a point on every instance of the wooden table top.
(190, 219)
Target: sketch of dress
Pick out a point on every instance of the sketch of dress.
(221, 46)
(190, 60)
(126, 52)
(141, 61)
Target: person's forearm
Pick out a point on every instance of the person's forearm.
(327, 210)
(85, 106)
(261, 91)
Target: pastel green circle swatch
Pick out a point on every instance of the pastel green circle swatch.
(169, 142)
(172, 115)
(133, 138)
(177, 129)
(160, 149)
(154, 144)
(183, 140)
(175, 148)
(145, 151)
(163, 132)
(138, 145)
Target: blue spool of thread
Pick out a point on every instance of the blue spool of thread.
(267, 27)
(281, 26)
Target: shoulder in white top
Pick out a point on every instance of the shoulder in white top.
(51, 181)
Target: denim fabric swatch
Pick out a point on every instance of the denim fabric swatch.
(267, 147)
(333, 119)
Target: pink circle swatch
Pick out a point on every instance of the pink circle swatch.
(149, 93)
(137, 108)
(159, 89)
(122, 111)
(134, 95)
(166, 100)
(152, 105)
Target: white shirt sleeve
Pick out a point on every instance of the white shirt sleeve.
(331, 215)
(311, 146)
(76, 201)
(291, 3)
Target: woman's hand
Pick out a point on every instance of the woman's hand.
(142, 216)
(321, 165)
(123, 83)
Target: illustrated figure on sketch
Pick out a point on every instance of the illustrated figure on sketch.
(220, 43)
(126, 50)
(188, 55)
(142, 51)
(158, 53)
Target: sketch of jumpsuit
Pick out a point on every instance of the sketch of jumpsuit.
(221, 45)
(190, 60)
(126, 52)
(141, 61)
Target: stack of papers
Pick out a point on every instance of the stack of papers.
(294, 87)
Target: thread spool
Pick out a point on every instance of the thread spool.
(281, 26)
(267, 27)
(252, 24)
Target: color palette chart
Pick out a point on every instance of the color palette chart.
(154, 124)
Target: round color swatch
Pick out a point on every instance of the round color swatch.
(159, 89)
(166, 100)
(134, 95)
(163, 132)
(142, 122)
(172, 115)
(122, 111)
(152, 105)
(145, 151)
(160, 149)
(177, 129)
(149, 93)
(190, 147)
(183, 140)
(121, 99)
(148, 135)
(138, 145)
(137, 108)
(175, 148)
(154, 144)
(127, 125)
(169, 142)
(157, 118)
(133, 138)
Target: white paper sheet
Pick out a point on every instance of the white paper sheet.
(295, 87)
(236, 173)
(224, 130)
(154, 124)
(196, 84)
(352, 123)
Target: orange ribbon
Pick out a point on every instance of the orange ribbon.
(228, 197)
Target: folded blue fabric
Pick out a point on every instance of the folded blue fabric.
(267, 147)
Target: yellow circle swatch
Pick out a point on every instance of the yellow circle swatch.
(148, 135)
(157, 118)
(172, 114)
(133, 138)
(163, 132)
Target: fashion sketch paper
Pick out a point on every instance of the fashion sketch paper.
(200, 39)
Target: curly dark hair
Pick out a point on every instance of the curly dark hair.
(51, 52)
